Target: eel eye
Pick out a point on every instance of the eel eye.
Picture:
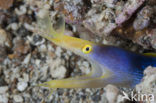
(87, 49)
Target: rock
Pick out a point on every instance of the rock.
(27, 59)
(4, 38)
(13, 26)
(148, 83)
(59, 72)
(143, 18)
(18, 98)
(142, 30)
(72, 9)
(84, 67)
(21, 11)
(22, 31)
(111, 93)
(21, 47)
(103, 98)
(104, 1)
(44, 71)
(37, 40)
(21, 86)
(4, 99)
(28, 27)
(3, 53)
(25, 78)
(100, 22)
(3, 89)
(96, 98)
(129, 8)
(120, 99)
(42, 48)
(153, 37)
(58, 51)
(140, 24)
(37, 62)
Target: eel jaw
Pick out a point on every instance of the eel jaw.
(86, 81)
(98, 77)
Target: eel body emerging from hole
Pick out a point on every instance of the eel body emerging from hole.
(110, 64)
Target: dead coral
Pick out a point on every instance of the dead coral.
(143, 18)
(130, 7)
(73, 10)
(100, 22)
(141, 29)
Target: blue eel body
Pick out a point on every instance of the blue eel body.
(122, 63)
